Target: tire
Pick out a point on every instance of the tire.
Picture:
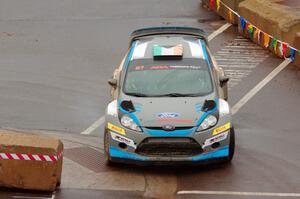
(107, 157)
(231, 144)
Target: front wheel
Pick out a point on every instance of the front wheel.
(107, 157)
(231, 144)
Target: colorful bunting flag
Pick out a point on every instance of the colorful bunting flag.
(274, 44)
(257, 35)
(250, 30)
(212, 4)
(230, 16)
(283, 48)
(243, 23)
(266, 40)
(218, 5)
(293, 52)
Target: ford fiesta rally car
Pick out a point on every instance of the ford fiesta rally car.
(168, 101)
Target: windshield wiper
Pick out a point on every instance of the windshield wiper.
(178, 95)
(137, 94)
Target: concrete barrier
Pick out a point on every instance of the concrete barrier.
(274, 19)
(30, 161)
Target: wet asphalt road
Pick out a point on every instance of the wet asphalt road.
(56, 56)
(55, 59)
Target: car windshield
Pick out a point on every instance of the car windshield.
(177, 78)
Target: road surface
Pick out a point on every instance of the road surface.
(56, 57)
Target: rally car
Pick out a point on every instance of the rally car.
(169, 101)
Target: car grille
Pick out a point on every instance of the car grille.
(176, 128)
(169, 147)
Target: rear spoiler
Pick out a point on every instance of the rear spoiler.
(167, 30)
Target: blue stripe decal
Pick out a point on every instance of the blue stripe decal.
(133, 45)
(222, 152)
(176, 133)
(118, 153)
(198, 107)
(132, 115)
(202, 43)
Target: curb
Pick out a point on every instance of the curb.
(281, 37)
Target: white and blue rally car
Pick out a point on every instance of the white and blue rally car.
(168, 101)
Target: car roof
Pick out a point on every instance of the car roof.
(193, 47)
(163, 30)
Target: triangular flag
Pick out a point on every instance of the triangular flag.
(273, 42)
(218, 5)
(274, 45)
(266, 40)
(212, 4)
(250, 30)
(255, 34)
(230, 16)
(293, 52)
(258, 36)
(284, 48)
(247, 25)
(243, 23)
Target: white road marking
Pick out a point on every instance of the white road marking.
(219, 31)
(94, 126)
(259, 86)
(34, 197)
(100, 121)
(235, 193)
(238, 58)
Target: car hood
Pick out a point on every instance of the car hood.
(175, 111)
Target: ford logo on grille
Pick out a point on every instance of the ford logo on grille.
(168, 127)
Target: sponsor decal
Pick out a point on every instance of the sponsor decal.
(220, 129)
(139, 67)
(167, 115)
(215, 139)
(120, 138)
(117, 129)
(165, 67)
(159, 67)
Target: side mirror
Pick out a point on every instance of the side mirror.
(113, 82)
(223, 80)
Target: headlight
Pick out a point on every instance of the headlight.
(129, 123)
(207, 123)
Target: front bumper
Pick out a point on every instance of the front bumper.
(206, 153)
(119, 155)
